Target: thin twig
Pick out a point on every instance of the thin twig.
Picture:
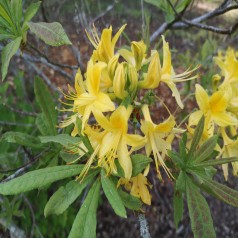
(179, 24)
(102, 14)
(49, 61)
(43, 76)
(4, 123)
(23, 168)
(203, 26)
(22, 113)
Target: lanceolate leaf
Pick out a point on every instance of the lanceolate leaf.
(66, 195)
(39, 178)
(216, 162)
(31, 11)
(47, 105)
(205, 150)
(178, 207)
(201, 220)
(22, 139)
(112, 195)
(222, 192)
(63, 139)
(196, 137)
(51, 33)
(8, 51)
(139, 162)
(16, 6)
(130, 201)
(84, 225)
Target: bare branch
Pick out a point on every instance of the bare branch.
(24, 167)
(181, 23)
(22, 113)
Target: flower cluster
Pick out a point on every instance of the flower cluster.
(221, 108)
(114, 119)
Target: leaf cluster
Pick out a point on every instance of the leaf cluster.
(14, 25)
(195, 175)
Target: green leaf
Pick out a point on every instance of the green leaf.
(130, 201)
(43, 97)
(8, 51)
(84, 225)
(63, 139)
(67, 194)
(205, 150)
(176, 158)
(181, 182)
(199, 212)
(16, 6)
(216, 162)
(22, 139)
(41, 124)
(196, 137)
(31, 11)
(139, 162)
(112, 195)
(222, 192)
(68, 157)
(178, 207)
(51, 33)
(5, 14)
(39, 178)
(182, 148)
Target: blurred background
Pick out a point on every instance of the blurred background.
(192, 43)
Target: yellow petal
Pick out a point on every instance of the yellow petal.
(224, 119)
(202, 98)
(136, 141)
(218, 102)
(138, 50)
(167, 66)
(195, 117)
(119, 82)
(175, 93)
(124, 159)
(103, 103)
(153, 76)
(115, 38)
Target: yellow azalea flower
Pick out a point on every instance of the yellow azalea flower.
(137, 54)
(115, 140)
(230, 149)
(153, 77)
(156, 141)
(169, 77)
(213, 108)
(104, 47)
(138, 187)
(228, 65)
(119, 81)
(93, 98)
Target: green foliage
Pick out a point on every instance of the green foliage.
(14, 25)
(8, 51)
(167, 9)
(67, 194)
(51, 33)
(129, 201)
(84, 225)
(63, 139)
(202, 224)
(195, 174)
(47, 106)
(22, 139)
(112, 195)
(38, 179)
